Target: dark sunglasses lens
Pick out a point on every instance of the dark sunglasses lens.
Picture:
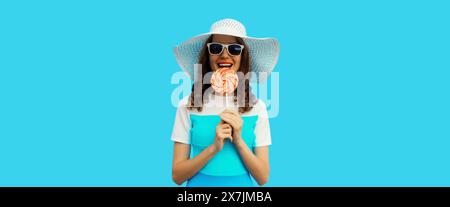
(215, 49)
(235, 49)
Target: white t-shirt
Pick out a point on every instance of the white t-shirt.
(214, 106)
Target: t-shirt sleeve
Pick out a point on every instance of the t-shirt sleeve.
(182, 124)
(262, 128)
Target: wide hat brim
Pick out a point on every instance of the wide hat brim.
(263, 53)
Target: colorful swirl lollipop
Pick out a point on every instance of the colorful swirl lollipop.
(224, 81)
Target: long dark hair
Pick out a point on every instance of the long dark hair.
(246, 102)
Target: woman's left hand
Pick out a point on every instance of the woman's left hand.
(234, 119)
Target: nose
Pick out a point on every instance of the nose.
(225, 54)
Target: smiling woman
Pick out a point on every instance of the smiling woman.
(222, 140)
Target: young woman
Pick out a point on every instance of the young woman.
(222, 140)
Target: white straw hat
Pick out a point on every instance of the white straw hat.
(263, 51)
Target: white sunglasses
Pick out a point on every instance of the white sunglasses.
(216, 48)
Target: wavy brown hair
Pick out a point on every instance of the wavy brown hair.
(245, 101)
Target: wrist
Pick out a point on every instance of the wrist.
(239, 142)
(237, 134)
(212, 149)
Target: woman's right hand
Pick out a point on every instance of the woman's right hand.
(223, 131)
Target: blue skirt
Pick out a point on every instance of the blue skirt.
(203, 180)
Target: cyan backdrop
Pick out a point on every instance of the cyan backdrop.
(85, 90)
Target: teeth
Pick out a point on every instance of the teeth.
(225, 65)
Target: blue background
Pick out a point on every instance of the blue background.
(85, 90)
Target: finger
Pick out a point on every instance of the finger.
(225, 136)
(224, 131)
(223, 125)
(227, 131)
(232, 116)
(222, 135)
(227, 111)
(230, 121)
(227, 118)
(231, 112)
(235, 120)
(221, 115)
(226, 126)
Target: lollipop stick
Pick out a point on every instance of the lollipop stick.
(226, 106)
(226, 100)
